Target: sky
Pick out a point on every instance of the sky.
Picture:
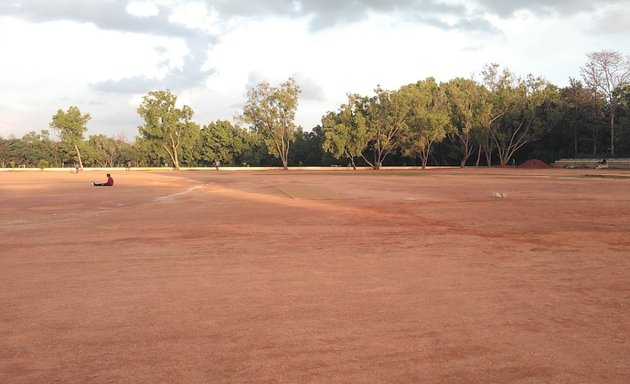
(103, 56)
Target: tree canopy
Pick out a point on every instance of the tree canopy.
(71, 126)
(270, 112)
(166, 126)
(502, 116)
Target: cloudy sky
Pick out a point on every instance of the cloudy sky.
(104, 55)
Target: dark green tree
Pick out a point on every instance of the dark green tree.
(582, 115)
(223, 142)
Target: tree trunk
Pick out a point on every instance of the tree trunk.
(468, 149)
(575, 143)
(462, 164)
(172, 153)
(488, 155)
(478, 156)
(612, 132)
(285, 155)
(175, 159)
(367, 161)
(285, 161)
(354, 166)
(76, 148)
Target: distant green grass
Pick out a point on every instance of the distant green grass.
(620, 177)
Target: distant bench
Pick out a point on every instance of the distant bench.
(592, 163)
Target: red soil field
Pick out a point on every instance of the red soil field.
(315, 277)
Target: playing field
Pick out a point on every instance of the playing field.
(315, 277)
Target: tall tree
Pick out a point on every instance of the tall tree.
(345, 132)
(165, 125)
(387, 113)
(270, 111)
(603, 74)
(522, 110)
(71, 126)
(581, 114)
(623, 119)
(468, 106)
(428, 117)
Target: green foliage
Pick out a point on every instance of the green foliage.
(345, 132)
(504, 116)
(307, 147)
(104, 151)
(387, 122)
(522, 110)
(71, 126)
(221, 141)
(428, 118)
(168, 127)
(270, 112)
(468, 107)
(581, 119)
(43, 164)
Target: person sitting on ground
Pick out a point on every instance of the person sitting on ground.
(108, 183)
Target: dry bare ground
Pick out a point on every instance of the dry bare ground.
(315, 277)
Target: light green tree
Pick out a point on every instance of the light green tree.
(522, 110)
(71, 126)
(345, 132)
(428, 118)
(468, 106)
(387, 114)
(270, 112)
(168, 127)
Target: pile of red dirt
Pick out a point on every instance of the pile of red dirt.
(534, 164)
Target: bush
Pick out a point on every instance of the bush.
(43, 164)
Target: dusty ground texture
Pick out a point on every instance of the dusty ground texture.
(315, 277)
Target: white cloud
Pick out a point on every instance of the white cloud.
(614, 20)
(103, 55)
(142, 8)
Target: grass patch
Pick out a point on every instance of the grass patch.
(619, 177)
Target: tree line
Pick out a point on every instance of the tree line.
(498, 119)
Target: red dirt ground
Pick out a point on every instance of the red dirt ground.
(534, 164)
(315, 277)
